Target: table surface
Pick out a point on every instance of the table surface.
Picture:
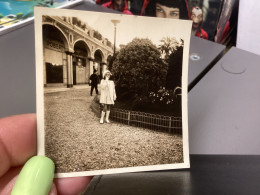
(209, 174)
(224, 107)
(208, 52)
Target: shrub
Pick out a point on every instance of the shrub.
(138, 70)
(173, 78)
(162, 96)
(166, 100)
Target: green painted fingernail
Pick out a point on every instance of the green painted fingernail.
(35, 178)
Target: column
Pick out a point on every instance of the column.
(104, 67)
(87, 71)
(69, 70)
(65, 70)
(44, 71)
(91, 64)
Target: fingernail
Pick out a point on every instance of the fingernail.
(36, 177)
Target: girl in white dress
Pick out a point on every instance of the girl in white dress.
(108, 95)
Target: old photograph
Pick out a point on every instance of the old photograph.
(111, 91)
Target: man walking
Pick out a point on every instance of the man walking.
(94, 82)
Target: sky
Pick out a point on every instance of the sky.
(135, 26)
(129, 27)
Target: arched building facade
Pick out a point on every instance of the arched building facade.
(71, 51)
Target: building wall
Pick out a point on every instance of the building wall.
(65, 45)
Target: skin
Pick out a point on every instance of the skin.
(197, 18)
(107, 76)
(18, 143)
(167, 12)
(118, 4)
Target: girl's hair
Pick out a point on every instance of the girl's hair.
(181, 4)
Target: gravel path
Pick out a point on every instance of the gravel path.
(76, 141)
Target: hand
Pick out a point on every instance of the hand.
(18, 143)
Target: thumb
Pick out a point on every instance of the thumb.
(36, 177)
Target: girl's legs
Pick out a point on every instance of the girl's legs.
(103, 112)
(107, 113)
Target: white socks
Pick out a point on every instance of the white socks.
(107, 116)
(107, 113)
(102, 117)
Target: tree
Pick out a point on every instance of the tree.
(138, 70)
(173, 78)
(167, 47)
(111, 61)
(75, 20)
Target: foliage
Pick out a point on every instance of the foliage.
(109, 44)
(1, 15)
(165, 100)
(163, 96)
(138, 70)
(74, 20)
(168, 46)
(97, 35)
(111, 61)
(19, 15)
(28, 15)
(174, 74)
(83, 26)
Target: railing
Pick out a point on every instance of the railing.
(143, 120)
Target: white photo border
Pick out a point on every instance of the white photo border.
(184, 31)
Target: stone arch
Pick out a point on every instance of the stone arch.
(55, 44)
(99, 61)
(87, 46)
(101, 53)
(81, 63)
(65, 37)
(109, 57)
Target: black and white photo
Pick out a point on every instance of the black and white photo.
(111, 91)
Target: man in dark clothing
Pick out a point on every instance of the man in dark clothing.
(94, 82)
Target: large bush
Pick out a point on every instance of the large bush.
(174, 74)
(138, 70)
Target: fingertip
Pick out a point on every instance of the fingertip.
(36, 177)
(72, 185)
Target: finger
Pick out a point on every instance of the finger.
(53, 190)
(71, 185)
(17, 140)
(7, 181)
(36, 177)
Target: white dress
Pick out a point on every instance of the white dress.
(108, 92)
